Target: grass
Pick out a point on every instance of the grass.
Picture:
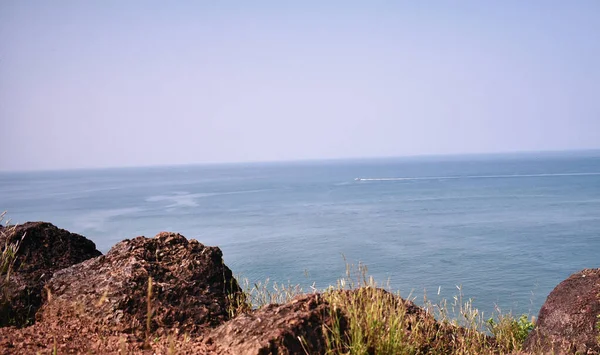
(511, 332)
(9, 250)
(8, 256)
(381, 322)
(149, 312)
(376, 321)
(261, 293)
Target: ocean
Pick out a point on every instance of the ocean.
(505, 228)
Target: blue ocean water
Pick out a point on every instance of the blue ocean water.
(508, 228)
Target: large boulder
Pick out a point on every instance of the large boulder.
(292, 328)
(191, 288)
(568, 321)
(43, 249)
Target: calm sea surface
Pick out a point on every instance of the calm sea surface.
(508, 228)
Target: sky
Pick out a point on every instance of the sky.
(88, 84)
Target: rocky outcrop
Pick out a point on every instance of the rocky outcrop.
(168, 294)
(190, 291)
(43, 249)
(568, 320)
(292, 328)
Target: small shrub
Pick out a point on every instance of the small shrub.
(510, 332)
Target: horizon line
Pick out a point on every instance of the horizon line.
(313, 160)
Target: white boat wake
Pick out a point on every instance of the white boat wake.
(475, 177)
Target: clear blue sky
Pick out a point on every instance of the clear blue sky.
(125, 83)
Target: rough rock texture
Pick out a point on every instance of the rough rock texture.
(42, 338)
(567, 321)
(276, 329)
(43, 250)
(190, 291)
(273, 329)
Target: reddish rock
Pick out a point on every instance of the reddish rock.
(273, 329)
(55, 338)
(43, 250)
(292, 328)
(191, 288)
(567, 322)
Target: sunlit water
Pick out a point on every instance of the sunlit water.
(506, 228)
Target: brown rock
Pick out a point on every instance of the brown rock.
(54, 338)
(190, 292)
(567, 322)
(292, 328)
(273, 329)
(43, 250)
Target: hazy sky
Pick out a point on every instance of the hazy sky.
(119, 83)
